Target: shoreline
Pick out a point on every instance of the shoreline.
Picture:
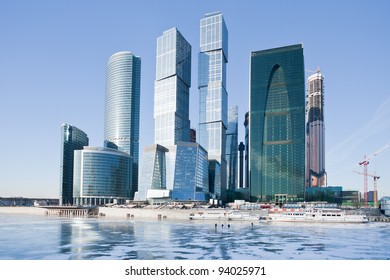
(137, 213)
(107, 212)
(121, 213)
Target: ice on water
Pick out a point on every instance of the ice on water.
(35, 237)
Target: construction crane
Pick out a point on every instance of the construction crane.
(365, 162)
(312, 71)
(375, 198)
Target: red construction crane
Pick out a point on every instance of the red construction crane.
(375, 189)
(365, 162)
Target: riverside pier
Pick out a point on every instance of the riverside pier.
(71, 211)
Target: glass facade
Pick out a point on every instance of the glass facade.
(190, 172)
(213, 97)
(215, 178)
(241, 149)
(192, 135)
(171, 89)
(246, 125)
(182, 169)
(232, 148)
(100, 176)
(174, 163)
(72, 139)
(277, 123)
(153, 170)
(122, 111)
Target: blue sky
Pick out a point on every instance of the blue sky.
(53, 57)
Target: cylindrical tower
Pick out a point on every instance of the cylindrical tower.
(122, 112)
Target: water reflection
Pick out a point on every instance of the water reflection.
(78, 237)
(91, 239)
(112, 239)
(86, 238)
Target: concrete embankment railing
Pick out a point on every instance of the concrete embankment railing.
(23, 210)
(157, 214)
(379, 219)
(117, 213)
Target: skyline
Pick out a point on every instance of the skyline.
(53, 69)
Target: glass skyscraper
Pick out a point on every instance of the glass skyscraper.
(171, 89)
(100, 176)
(122, 109)
(213, 97)
(173, 168)
(277, 124)
(72, 139)
(232, 148)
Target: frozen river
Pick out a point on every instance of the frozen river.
(32, 237)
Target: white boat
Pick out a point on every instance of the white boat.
(322, 215)
(209, 215)
(243, 216)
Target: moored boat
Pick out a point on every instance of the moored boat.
(235, 215)
(243, 216)
(210, 215)
(323, 215)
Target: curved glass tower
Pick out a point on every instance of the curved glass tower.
(277, 124)
(121, 126)
(101, 175)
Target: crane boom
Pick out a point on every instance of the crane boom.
(375, 177)
(361, 173)
(365, 162)
(367, 159)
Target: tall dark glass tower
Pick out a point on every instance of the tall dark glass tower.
(246, 125)
(72, 139)
(121, 126)
(277, 124)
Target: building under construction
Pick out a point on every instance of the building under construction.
(315, 132)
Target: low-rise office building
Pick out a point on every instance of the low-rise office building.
(101, 175)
